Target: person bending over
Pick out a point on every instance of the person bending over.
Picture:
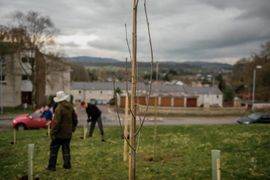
(93, 116)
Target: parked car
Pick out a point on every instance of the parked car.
(30, 121)
(255, 118)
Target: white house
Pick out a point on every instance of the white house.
(16, 86)
(207, 96)
(100, 91)
(103, 92)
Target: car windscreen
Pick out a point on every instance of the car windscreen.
(36, 115)
(254, 116)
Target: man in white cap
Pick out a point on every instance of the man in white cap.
(65, 123)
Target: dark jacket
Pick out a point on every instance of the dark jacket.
(47, 115)
(93, 112)
(65, 121)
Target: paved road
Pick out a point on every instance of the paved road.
(5, 124)
(110, 118)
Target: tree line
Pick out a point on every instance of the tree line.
(241, 79)
(28, 38)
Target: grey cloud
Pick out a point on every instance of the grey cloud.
(181, 29)
(108, 44)
(258, 12)
(70, 44)
(250, 8)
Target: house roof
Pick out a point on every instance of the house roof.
(168, 88)
(202, 90)
(141, 87)
(103, 86)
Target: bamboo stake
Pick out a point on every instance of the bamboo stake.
(215, 164)
(132, 149)
(218, 169)
(155, 120)
(125, 154)
(84, 131)
(30, 161)
(14, 136)
(49, 128)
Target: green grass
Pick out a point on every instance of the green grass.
(17, 110)
(179, 152)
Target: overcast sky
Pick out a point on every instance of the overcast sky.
(182, 30)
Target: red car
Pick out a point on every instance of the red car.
(29, 121)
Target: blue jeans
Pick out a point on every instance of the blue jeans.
(54, 147)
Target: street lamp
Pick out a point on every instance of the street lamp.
(254, 85)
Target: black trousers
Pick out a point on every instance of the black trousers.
(54, 147)
(93, 125)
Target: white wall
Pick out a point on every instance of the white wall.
(86, 95)
(210, 99)
(57, 81)
(11, 87)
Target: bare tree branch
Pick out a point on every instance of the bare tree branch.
(119, 120)
(137, 4)
(127, 75)
(127, 42)
(152, 62)
(139, 137)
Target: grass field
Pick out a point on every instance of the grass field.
(179, 152)
(18, 110)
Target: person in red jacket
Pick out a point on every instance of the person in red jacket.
(93, 116)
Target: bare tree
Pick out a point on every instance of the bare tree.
(40, 29)
(242, 79)
(38, 32)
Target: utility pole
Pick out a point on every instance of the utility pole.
(132, 149)
(253, 88)
(254, 85)
(156, 104)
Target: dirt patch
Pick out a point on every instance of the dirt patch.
(153, 159)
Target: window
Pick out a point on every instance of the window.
(31, 59)
(265, 117)
(25, 77)
(27, 59)
(24, 60)
(2, 77)
(2, 62)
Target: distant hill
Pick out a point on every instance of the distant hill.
(209, 65)
(85, 60)
(185, 66)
